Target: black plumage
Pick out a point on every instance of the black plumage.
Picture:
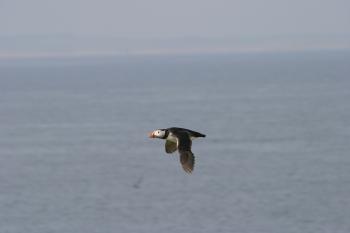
(190, 132)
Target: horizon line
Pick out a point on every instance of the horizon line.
(164, 52)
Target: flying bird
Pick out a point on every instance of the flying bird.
(179, 139)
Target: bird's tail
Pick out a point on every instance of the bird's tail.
(198, 135)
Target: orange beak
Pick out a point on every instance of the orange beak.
(151, 135)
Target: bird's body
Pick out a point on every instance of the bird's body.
(179, 139)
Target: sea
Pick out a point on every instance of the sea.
(75, 156)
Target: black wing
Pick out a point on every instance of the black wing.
(170, 147)
(184, 146)
(187, 161)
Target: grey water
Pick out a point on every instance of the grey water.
(75, 156)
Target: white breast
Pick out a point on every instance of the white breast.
(172, 138)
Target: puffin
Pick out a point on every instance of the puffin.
(179, 139)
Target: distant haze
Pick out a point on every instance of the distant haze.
(106, 26)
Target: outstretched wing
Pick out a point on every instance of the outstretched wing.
(170, 147)
(187, 161)
(184, 146)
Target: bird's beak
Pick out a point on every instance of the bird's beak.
(151, 135)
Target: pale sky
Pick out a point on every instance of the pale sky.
(176, 18)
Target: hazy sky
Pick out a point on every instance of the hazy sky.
(165, 18)
(176, 18)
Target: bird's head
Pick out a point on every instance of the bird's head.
(159, 133)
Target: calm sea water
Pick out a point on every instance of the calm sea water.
(75, 156)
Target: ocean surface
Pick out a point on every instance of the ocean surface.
(75, 156)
